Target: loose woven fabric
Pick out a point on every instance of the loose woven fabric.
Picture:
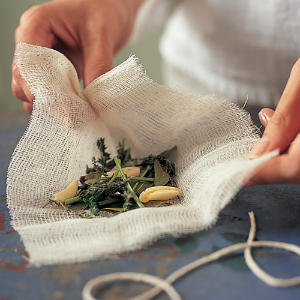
(213, 138)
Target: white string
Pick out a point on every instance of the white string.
(161, 284)
(154, 280)
(261, 274)
(246, 101)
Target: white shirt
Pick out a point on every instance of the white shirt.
(237, 48)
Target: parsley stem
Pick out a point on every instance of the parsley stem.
(73, 200)
(144, 173)
(135, 197)
(113, 177)
(108, 202)
(119, 168)
(141, 178)
(129, 188)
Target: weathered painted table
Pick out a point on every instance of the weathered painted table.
(277, 209)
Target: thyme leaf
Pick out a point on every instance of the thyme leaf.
(104, 156)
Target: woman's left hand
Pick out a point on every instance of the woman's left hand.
(282, 131)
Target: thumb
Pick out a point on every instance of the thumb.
(284, 125)
(97, 59)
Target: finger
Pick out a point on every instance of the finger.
(17, 90)
(97, 58)
(280, 169)
(19, 86)
(285, 123)
(27, 107)
(74, 56)
(266, 174)
(265, 116)
(272, 171)
(33, 29)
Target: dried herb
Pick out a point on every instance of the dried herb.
(168, 153)
(106, 185)
(129, 188)
(78, 206)
(123, 154)
(104, 156)
(161, 177)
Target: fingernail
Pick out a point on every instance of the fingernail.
(260, 148)
(265, 116)
(264, 119)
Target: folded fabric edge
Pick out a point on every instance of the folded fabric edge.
(49, 257)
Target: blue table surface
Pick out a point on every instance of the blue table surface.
(277, 209)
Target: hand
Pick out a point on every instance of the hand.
(282, 132)
(88, 32)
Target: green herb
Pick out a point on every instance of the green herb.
(143, 186)
(168, 153)
(123, 176)
(101, 192)
(142, 178)
(127, 204)
(109, 201)
(113, 177)
(78, 206)
(148, 168)
(92, 175)
(73, 200)
(104, 156)
(161, 177)
(118, 209)
(123, 154)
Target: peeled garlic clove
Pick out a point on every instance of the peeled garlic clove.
(69, 192)
(129, 171)
(159, 193)
(132, 171)
(111, 173)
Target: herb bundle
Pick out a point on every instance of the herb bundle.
(122, 183)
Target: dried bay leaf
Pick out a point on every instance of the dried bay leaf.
(92, 175)
(160, 176)
(168, 153)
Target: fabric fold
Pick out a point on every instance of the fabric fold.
(213, 138)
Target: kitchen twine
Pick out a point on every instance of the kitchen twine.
(166, 284)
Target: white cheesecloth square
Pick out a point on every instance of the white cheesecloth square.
(213, 138)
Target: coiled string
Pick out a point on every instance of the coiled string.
(166, 284)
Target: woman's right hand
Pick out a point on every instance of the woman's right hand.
(88, 32)
(282, 132)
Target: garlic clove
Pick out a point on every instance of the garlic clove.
(69, 192)
(159, 193)
(129, 171)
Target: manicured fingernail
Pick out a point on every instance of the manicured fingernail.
(263, 118)
(260, 148)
